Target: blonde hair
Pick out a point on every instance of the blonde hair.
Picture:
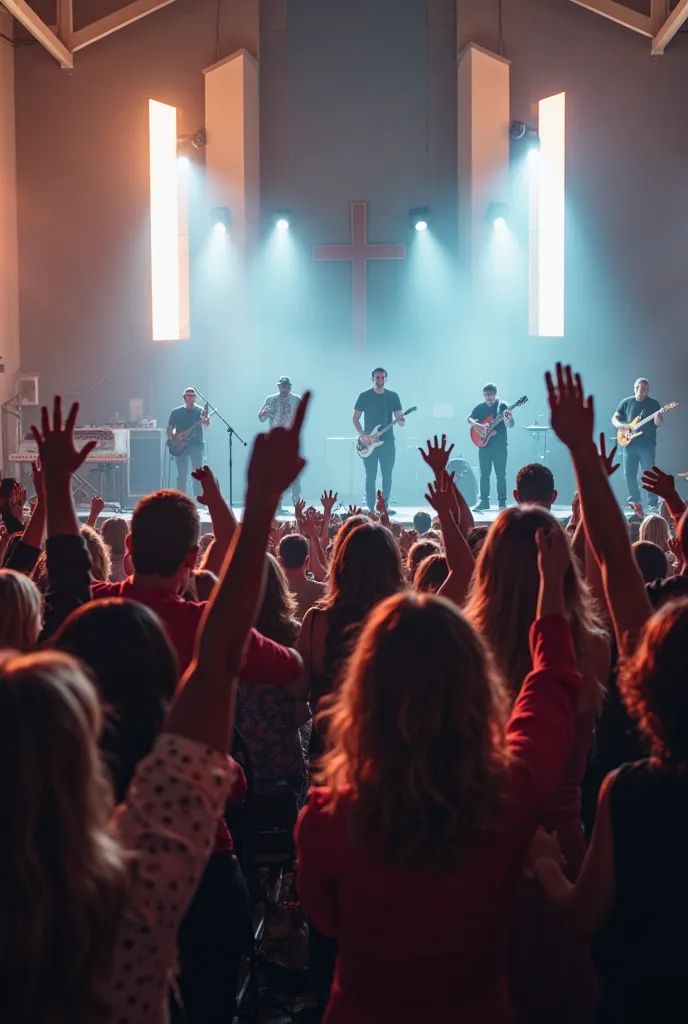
(417, 732)
(21, 611)
(503, 601)
(114, 532)
(655, 529)
(65, 883)
(101, 562)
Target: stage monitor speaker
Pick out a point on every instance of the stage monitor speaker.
(144, 469)
(465, 480)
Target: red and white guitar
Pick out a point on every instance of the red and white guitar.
(482, 434)
(365, 450)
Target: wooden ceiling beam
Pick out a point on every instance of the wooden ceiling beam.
(114, 22)
(673, 24)
(40, 31)
(620, 14)
(65, 20)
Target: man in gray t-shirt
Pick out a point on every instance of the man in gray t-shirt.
(279, 409)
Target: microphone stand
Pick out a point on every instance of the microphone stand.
(231, 433)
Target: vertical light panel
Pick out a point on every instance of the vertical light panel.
(548, 221)
(169, 230)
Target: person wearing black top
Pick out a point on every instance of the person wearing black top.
(181, 419)
(641, 451)
(493, 455)
(379, 408)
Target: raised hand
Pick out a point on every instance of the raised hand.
(97, 505)
(328, 501)
(17, 500)
(276, 460)
(637, 509)
(659, 483)
(608, 460)
(354, 510)
(440, 495)
(38, 480)
(299, 506)
(210, 489)
(674, 545)
(575, 510)
(554, 555)
(59, 458)
(572, 414)
(437, 455)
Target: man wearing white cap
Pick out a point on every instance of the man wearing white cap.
(279, 409)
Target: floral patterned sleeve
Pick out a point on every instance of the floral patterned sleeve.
(168, 822)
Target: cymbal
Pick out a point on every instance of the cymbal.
(537, 426)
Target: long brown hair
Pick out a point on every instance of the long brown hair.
(416, 734)
(101, 560)
(64, 879)
(277, 618)
(504, 594)
(653, 684)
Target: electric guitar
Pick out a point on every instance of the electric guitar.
(481, 436)
(364, 450)
(625, 434)
(180, 440)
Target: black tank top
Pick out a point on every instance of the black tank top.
(645, 945)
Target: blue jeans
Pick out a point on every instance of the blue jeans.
(634, 457)
(194, 455)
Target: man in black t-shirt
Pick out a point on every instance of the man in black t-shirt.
(641, 451)
(183, 418)
(379, 408)
(493, 455)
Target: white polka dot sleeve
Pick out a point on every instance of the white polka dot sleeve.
(169, 822)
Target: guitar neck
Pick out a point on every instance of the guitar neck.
(650, 417)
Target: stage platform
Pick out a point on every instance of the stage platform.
(404, 514)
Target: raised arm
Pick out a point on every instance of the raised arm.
(97, 506)
(663, 485)
(572, 420)
(204, 706)
(459, 557)
(223, 521)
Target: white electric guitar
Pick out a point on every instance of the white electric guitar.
(364, 450)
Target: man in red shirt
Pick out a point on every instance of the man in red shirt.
(163, 544)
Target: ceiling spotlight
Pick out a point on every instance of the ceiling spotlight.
(186, 143)
(199, 140)
(420, 218)
(281, 219)
(528, 137)
(498, 214)
(221, 217)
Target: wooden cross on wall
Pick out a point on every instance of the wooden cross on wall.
(359, 252)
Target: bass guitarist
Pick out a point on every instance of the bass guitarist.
(641, 451)
(495, 451)
(379, 407)
(186, 425)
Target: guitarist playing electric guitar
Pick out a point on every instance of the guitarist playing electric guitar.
(493, 455)
(378, 407)
(185, 437)
(641, 450)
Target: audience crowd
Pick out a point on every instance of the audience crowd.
(477, 736)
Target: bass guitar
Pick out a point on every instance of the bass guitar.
(482, 434)
(180, 440)
(365, 450)
(625, 434)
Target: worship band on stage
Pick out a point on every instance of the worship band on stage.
(636, 421)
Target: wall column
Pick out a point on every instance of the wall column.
(9, 270)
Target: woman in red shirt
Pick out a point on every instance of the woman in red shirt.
(410, 851)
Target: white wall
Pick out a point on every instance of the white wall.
(9, 280)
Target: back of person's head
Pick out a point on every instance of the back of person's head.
(101, 562)
(349, 524)
(435, 535)
(135, 671)
(277, 616)
(430, 574)
(114, 532)
(422, 522)
(417, 552)
(21, 611)
(64, 879)
(7, 485)
(420, 742)
(651, 560)
(294, 551)
(476, 539)
(165, 530)
(503, 600)
(366, 568)
(653, 684)
(535, 485)
(204, 581)
(655, 529)
(204, 543)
